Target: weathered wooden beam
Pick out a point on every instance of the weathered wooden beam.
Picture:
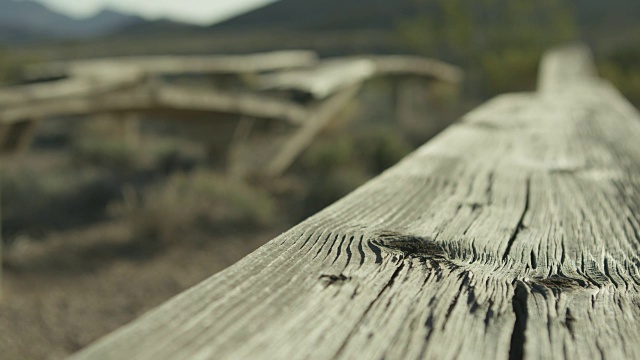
(334, 75)
(322, 81)
(174, 65)
(27, 94)
(416, 66)
(513, 234)
(158, 97)
(247, 104)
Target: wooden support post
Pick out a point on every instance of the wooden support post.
(28, 133)
(129, 124)
(1, 228)
(323, 115)
(18, 136)
(411, 101)
(4, 134)
(236, 168)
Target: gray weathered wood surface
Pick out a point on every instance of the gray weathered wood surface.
(515, 233)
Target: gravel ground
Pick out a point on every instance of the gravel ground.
(56, 299)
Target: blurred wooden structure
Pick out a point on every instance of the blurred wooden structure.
(294, 89)
(513, 234)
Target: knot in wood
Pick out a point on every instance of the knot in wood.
(409, 245)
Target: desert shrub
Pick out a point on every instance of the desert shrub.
(373, 149)
(11, 67)
(106, 153)
(622, 68)
(510, 69)
(64, 198)
(382, 147)
(102, 143)
(334, 185)
(328, 153)
(194, 206)
(338, 164)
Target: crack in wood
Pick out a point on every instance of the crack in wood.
(390, 283)
(520, 224)
(519, 306)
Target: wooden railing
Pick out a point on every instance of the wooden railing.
(514, 233)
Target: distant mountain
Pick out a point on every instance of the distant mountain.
(106, 22)
(28, 20)
(156, 28)
(593, 16)
(12, 34)
(335, 15)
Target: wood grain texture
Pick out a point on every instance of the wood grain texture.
(514, 233)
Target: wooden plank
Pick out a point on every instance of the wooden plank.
(515, 233)
(158, 97)
(19, 136)
(334, 75)
(174, 65)
(27, 94)
(324, 80)
(387, 65)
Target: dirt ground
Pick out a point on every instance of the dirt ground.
(59, 298)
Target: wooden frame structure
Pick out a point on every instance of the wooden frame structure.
(135, 85)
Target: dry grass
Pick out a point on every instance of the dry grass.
(53, 304)
(198, 204)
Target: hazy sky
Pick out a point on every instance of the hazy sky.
(196, 11)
